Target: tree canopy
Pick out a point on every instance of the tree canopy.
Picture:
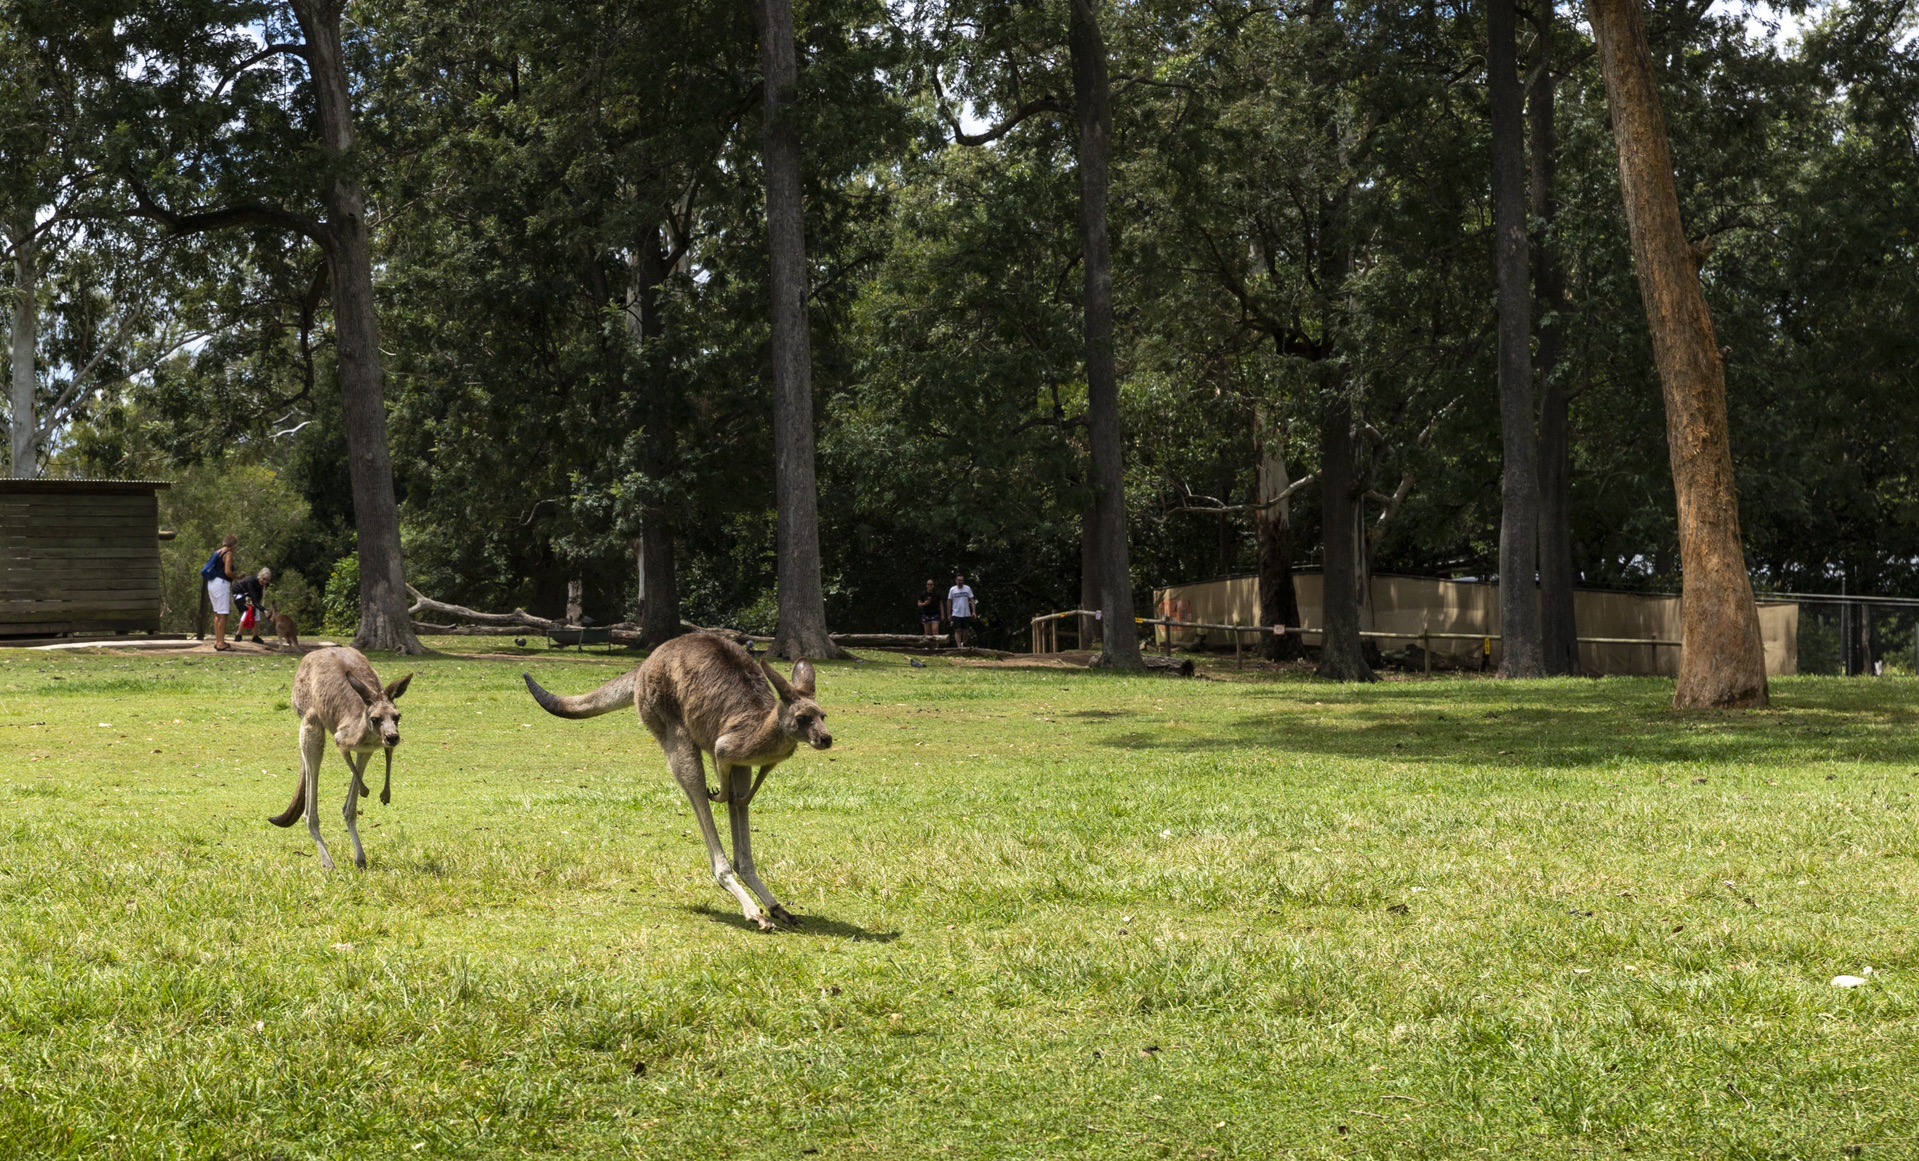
(569, 258)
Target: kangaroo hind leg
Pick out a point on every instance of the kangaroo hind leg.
(354, 788)
(741, 782)
(689, 769)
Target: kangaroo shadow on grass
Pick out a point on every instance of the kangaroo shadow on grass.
(814, 925)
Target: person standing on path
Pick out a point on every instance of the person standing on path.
(219, 574)
(930, 613)
(961, 607)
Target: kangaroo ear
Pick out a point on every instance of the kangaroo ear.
(360, 687)
(804, 679)
(780, 685)
(395, 689)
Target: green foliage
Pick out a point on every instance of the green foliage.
(205, 504)
(340, 605)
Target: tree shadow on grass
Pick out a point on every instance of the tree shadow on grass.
(813, 925)
(1566, 726)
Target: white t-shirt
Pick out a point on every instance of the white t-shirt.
(961, 598)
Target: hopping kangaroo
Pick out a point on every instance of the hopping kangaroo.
(702, 694)
(336, 692)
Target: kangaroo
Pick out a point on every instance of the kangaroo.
(287, 629)
(335, 691)
(702, 694)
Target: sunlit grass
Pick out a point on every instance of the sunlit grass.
(1050, 913)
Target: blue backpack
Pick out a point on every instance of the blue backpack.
(212, 570)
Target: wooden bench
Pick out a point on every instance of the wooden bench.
(578, 636)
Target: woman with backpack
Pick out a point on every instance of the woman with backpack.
(219, 572)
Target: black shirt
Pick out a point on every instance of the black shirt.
(929, 604)
(249, 589)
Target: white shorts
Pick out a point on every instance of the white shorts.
(220, 592)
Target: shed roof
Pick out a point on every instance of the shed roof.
(81, 487)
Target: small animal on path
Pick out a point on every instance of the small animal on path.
(336, 692)
(702, 694)
(285, 627)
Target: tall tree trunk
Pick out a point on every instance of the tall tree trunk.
(1559, 630)
(385, 624)
(1722, 661)
(1089, 587)
(1092, 106)
(659, 448)
(1341, 655)
(1519, 628)
(1273, 529)
(802, 605)
(25, 424)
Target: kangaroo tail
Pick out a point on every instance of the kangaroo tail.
(287, 817)
(604, 700)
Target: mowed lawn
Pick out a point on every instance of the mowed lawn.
(1049, 914)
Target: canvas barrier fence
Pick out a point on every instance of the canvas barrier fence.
(1419, 605)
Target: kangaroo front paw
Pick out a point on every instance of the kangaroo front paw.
(784, 916)
(716, 795)
(765, 923)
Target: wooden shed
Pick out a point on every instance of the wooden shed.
(79, 556)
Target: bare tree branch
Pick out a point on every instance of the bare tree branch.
(1193, 503)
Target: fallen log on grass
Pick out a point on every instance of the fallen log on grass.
(890, 640)
(518, 617)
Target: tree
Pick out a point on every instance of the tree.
(258, 183)
(1519, 628)
(1723, 662)
(802, 629)
(1559, 632)
(1093, 112)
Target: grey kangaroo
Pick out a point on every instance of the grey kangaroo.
(335, 691)
(702, 694)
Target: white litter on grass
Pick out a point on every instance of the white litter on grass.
(1165, 834)
(1847, 982)
(106, 725)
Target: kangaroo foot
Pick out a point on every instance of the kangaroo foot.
(786, 917)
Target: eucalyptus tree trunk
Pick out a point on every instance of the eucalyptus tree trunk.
(659, 448)
(1519, 629)
(25, 424)
(385, 624)
(1341, 654)
(802, 605)
(1273, 530)
(1722, 661)
(1093, 109)
(1559, 629)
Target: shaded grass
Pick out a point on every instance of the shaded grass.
(1050, 913)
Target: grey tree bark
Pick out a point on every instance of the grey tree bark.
(25, 382)
(1559, 629)
(1722, 662)
(1519, 624)
(1341, 656)
(802, 605)
(1093, 110)
(1273, 530)
(384, 622)
(659, 448)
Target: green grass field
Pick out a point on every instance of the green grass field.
(1050, 914)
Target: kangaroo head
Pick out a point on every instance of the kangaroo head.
(801, 718)
(382, 716)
